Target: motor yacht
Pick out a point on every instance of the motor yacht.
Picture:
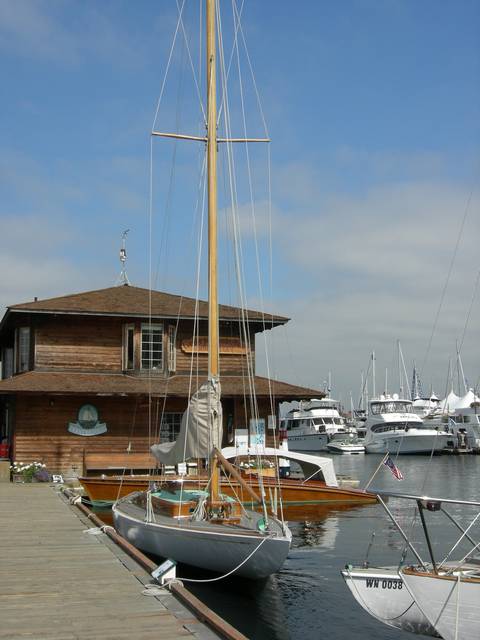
(345, 443)
(392, 426)
(311, 426)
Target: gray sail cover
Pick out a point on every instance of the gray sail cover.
(201, 428)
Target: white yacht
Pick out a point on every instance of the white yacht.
(345, 443)
(310, 426)
(425, 406)
(392, 426)
(465, 422)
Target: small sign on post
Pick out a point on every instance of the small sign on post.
(165, 572)
(241, 439)
(257, 432)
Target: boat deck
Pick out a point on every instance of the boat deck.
(248, 525)
(58, 582)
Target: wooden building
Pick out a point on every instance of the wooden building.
(111, 370)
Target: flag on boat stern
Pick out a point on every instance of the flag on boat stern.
(388, 462)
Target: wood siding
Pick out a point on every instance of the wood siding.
(96, 344)
(230, 363)
(41, 427)
(87, 344)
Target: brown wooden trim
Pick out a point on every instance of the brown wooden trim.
(228, 345)
(424, 574)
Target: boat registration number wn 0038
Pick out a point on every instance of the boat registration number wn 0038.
(383, 583)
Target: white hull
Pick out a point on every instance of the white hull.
(454, 614)
(308, 442)
(412, 441)
(218, 548)
(338, 447)
(381, 592)
(310, 427)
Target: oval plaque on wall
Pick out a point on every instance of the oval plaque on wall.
(87, 422)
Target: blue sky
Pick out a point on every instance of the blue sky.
(374, 112)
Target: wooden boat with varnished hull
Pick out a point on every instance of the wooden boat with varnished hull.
(322, 489)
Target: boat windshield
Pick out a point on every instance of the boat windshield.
(391, 406)
(391, 426)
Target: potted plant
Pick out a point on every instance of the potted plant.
(31, 472)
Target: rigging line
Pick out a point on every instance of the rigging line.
(200, 40)
(459, 564)
(227, 74)
(165, 233)
(253, 214)
(196, 322)
(132, 427)
(234, 199)
(160, 418)
(248, 166)
(150, 248)
(267, 135)
(162, 88)
(237, 244)
(270, 257)
(459, 236)
(191, 61)
(201, 198)
(365, 380)
(475, 288)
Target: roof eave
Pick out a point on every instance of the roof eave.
(268, 320)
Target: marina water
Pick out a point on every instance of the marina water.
(308, 599)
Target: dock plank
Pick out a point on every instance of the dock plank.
(58, 582)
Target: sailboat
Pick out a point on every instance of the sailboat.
(199, 527)
(426, 597)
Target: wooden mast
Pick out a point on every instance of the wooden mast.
(213, 340)
(212, 192)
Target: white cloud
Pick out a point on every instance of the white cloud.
(372, 268)
(65, 33)
(27, 27)
(398, 235)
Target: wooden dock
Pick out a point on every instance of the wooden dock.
(58, 582)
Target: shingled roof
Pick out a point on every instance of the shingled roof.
(135, 302)
(35, 382)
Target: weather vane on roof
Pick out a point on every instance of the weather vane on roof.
(123, 278)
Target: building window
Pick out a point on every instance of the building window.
(22, 349)
(152, 347)
(128, 356)
(172, 353)
(170, 427)
(7, 363)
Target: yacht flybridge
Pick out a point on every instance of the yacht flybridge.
(312, 424)
(393, 426)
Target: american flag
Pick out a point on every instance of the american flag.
(388, 462)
